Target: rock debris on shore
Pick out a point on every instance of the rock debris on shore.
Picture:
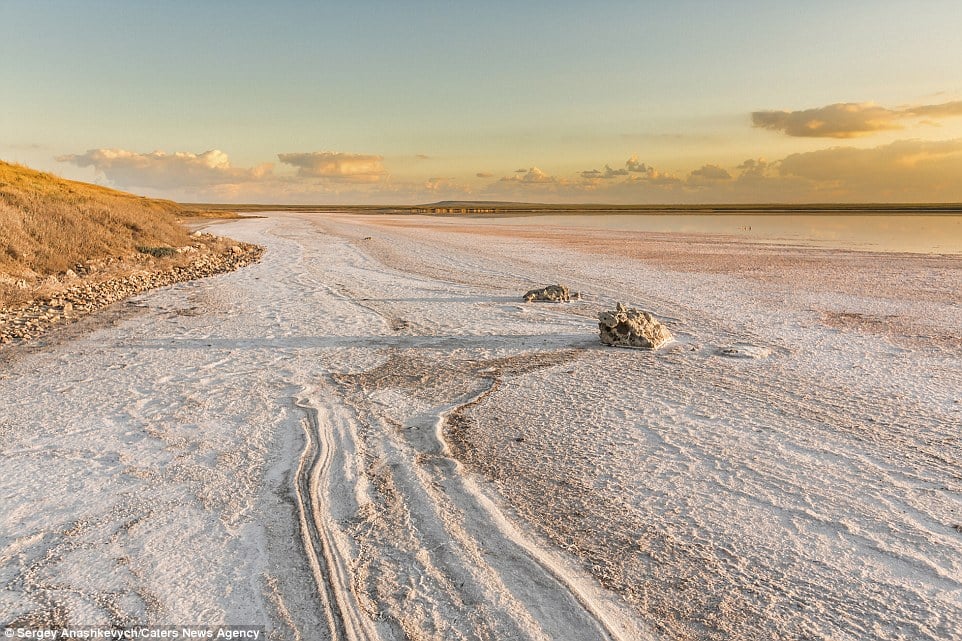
(36, 318)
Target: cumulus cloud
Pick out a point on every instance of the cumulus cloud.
(754, 168)
(336, 166)
(848, 119)
(530, 176)
(607, 174)
(642, 173)
(633, 165)
(160, 170)
(709, 173)
(614, 173)
(484, 174)
(446, 185)
(633, 168)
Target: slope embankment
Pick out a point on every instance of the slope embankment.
(69, 248)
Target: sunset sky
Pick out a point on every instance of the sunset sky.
(414, 102)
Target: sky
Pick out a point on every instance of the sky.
(414, 102)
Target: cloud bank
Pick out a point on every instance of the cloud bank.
(161, 171)
(848, 119)
(906, 170)
(210, 176)
(902, 171)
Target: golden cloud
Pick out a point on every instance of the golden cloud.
(708, 175)
(336, 166)
(436, 185)
(754, 168)
(530, 176)
(848, 119)
(634, 169)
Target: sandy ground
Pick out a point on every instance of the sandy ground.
(368, 436)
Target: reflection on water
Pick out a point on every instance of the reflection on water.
(867, 232)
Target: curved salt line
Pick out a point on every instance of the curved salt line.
(343, 614)
(550, 563)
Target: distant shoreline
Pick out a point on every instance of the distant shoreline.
(534, 209)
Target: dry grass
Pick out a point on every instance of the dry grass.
(49, 225)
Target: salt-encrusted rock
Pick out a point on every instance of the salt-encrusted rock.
(551, 294)
(630, 327)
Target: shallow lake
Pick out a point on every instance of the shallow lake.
(927, 234)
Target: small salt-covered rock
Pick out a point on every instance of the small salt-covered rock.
(630, 327)
(551, 294)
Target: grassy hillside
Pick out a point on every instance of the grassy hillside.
(48, 224)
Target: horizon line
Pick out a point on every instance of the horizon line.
(514, 205)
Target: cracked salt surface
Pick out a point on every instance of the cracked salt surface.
(367, 436)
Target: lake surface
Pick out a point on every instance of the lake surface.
(926, 234)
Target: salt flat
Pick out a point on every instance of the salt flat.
(369, 436)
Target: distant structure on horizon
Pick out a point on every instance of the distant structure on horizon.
(479, 207)
(454, 210)
(492, 207)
